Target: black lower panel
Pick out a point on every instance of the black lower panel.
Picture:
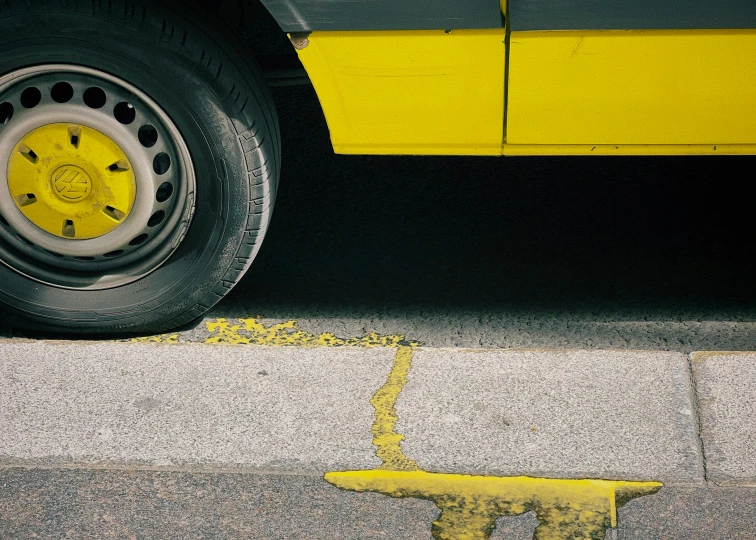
(630, 14)
(309, 15)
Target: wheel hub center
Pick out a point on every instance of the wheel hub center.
(71, 184)
(71, 181)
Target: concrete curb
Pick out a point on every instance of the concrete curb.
(566, 414)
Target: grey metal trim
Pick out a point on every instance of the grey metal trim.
(311, 15)
(527, 15)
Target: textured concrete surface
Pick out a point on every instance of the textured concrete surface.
(288, 408)
(218, 441)
(616, 415)
(608, 414)
(519, 527)
(690, 513)
(82, 504)
(498, 327)
(726, 385)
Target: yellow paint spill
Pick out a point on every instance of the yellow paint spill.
(470, 505)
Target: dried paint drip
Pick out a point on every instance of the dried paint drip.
(470, 505)
(385, 438)
(253, 332)
(162, 338)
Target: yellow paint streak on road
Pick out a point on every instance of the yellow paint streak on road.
(254, 332)
(162, 338)
(470, 505)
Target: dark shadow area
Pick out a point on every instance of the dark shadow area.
(577, 252)
(642, 238)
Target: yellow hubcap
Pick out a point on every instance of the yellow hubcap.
(71, 181)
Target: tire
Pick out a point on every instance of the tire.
(213, 117)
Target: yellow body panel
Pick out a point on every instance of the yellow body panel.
(627, 149)
(687, 87)
(410, 92)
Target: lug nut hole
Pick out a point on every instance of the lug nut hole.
(161, 163)
(156, 219)
(31, 97)
(139, 240)
(95, 97)
(148, 136)
(164, 192)
(62, 92)
(124, 112)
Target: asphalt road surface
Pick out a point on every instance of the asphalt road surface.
(648, 253)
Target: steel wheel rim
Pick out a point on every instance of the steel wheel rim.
(35, 97)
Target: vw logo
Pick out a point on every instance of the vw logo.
(71, 183)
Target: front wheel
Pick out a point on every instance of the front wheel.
(139, 160)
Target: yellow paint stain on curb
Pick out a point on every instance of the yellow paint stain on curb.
(702, 356)
(385, 438)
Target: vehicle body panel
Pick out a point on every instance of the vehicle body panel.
(419, 92)
(632, 87)
(312, 15)
(650, 77)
